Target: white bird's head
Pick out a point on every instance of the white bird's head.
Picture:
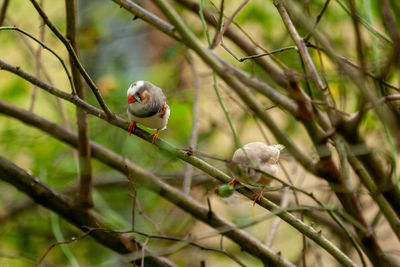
(275, 152)
(139, 92)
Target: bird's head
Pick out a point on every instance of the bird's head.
(139, 92)
(275, 152)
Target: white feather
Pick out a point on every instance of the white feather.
(134, 87)
(262, 157)
(153, 122)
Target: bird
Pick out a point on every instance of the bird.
(258, 156)
(148, 106)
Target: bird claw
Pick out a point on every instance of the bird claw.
(258, 197)
(233, 182)
(155, 136)
(132, 127)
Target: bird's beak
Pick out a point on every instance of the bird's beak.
(131, 99)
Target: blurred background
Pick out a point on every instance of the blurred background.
(117, 50)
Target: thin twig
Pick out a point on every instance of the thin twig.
(220, 101)
(308, 36)
(226, 25)
(143, 251)
(149, 17)
(241, 59)
(38, 64)
(391, 26)
(249, 47)
(174, 195)
(219, 26)
(187, 176)
(275, 224)
(192, 243)
(365, 23)
(147, 217)
(45, 47)
(300, 44)
(75, 58)
(187, 157)
(105, 183)
(73, 239)
(82, 219)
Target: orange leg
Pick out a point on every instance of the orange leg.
(132, 127)
(154, 137)
(233, 182)
(258, 196)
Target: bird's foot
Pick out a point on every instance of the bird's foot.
(233, 182)
(155, 136)
(258, 197)
(132, 127)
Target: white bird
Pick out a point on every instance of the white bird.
(259, 157)
(148, 106)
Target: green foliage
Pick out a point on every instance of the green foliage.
(117, 51)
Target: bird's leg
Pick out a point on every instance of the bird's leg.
(155, 136)
(132, 127)
(258, 196)
(233, 182)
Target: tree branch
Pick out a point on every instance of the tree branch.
(74, 57)
(325, 168)
(148, 17)
(247, 242)
(147, 179)
(84, 194)
(187, 179)
(3, 11)
(266, 63)
(45, 47)
(317, 216)
(82, 219)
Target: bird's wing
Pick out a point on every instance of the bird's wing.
(144, 112)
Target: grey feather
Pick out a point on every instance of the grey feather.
(155, 104)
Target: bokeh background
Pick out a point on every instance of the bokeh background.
(117, 50)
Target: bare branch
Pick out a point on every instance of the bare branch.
(270, 68)
(45, 47)
(84, 194)
(186, 242)
(3, 11)
(187, 203)
(226, 25)
(84, 220)
(187, 180)
(148, 17)
(274, 227)
(74, 57)
(300, 45)
(38, 66)
(73, 239)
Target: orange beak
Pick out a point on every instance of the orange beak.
(131, 99)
